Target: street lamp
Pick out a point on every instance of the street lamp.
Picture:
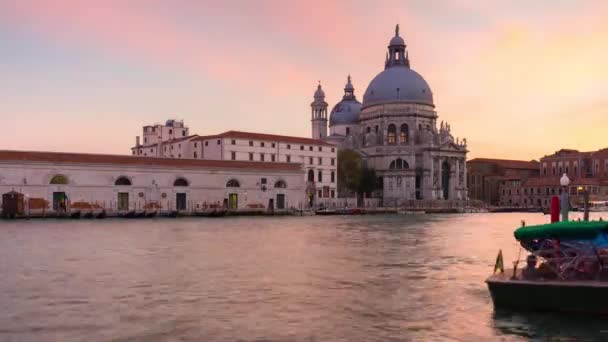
(585, 202)
(564, 200)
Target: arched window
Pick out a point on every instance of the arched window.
(280, 184)
(311, 176)
(399, 164)
(122, 180)
(368, 129)
(180, 182)
(403, 134)
(59, 179)
(233, 183)
(392, 134)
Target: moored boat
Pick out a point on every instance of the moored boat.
(572, 274)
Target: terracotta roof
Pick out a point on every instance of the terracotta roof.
(554, 181)
(167, 141)
(84, 158)
(508, 163)
(267, 137)
(542, 181)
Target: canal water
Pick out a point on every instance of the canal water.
(357, 278)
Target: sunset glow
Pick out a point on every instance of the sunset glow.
(518, 80)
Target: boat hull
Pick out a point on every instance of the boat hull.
(542, 295)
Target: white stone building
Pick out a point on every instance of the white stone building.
(317, 157)
(395, 131)
(124, 183)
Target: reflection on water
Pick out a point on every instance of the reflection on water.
(360, 278)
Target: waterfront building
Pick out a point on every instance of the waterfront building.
(588, 170)
(124, 183)
(487, 178)
(318, 157)
(395, 130)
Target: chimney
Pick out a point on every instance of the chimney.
(137, 141)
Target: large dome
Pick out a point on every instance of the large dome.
(398, 83)
(345, 112)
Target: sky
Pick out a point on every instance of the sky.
(519, 79)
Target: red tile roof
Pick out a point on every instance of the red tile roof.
(554, 181)
(84, 158)
(508, 163)
(542, 181)
(167, 141)
(267, 137)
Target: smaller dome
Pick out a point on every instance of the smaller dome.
(170, 123)
(346, 112)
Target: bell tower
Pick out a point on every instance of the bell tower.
(319, 114)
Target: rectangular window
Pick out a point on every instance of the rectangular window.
(333, 149)
(333, 194)
(218, 141)
(320, 176)
(288, 159)
(288, 147)
(302, 147)
(263, 181)
(233, 155)
(333, 161)
(320, 194)
(310, 160)
(179, 155)
(273, 145)
(195, 155)
(261, 156)
(333, 177)
(262, 144)
(320, 161)
(233, 142)
(250, 143)
(310, 148)
(206, 143)
(320, 149)
(179, 145)
(195, 145)
(250, 156)
(272, 157)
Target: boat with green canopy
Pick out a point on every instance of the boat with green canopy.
(566, 269)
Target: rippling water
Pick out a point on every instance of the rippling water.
(358, 278)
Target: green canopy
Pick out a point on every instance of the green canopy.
(562, 230)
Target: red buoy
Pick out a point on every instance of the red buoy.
(554, 209)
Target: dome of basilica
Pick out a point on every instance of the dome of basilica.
(346, 112)
(397, 83)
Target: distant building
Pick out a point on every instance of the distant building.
(584, 169)
(486, 176)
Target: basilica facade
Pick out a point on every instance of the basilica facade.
(396, 131)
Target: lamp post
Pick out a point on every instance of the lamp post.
(585, 202)
(564, 200)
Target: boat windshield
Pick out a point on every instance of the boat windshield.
(571, 250)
